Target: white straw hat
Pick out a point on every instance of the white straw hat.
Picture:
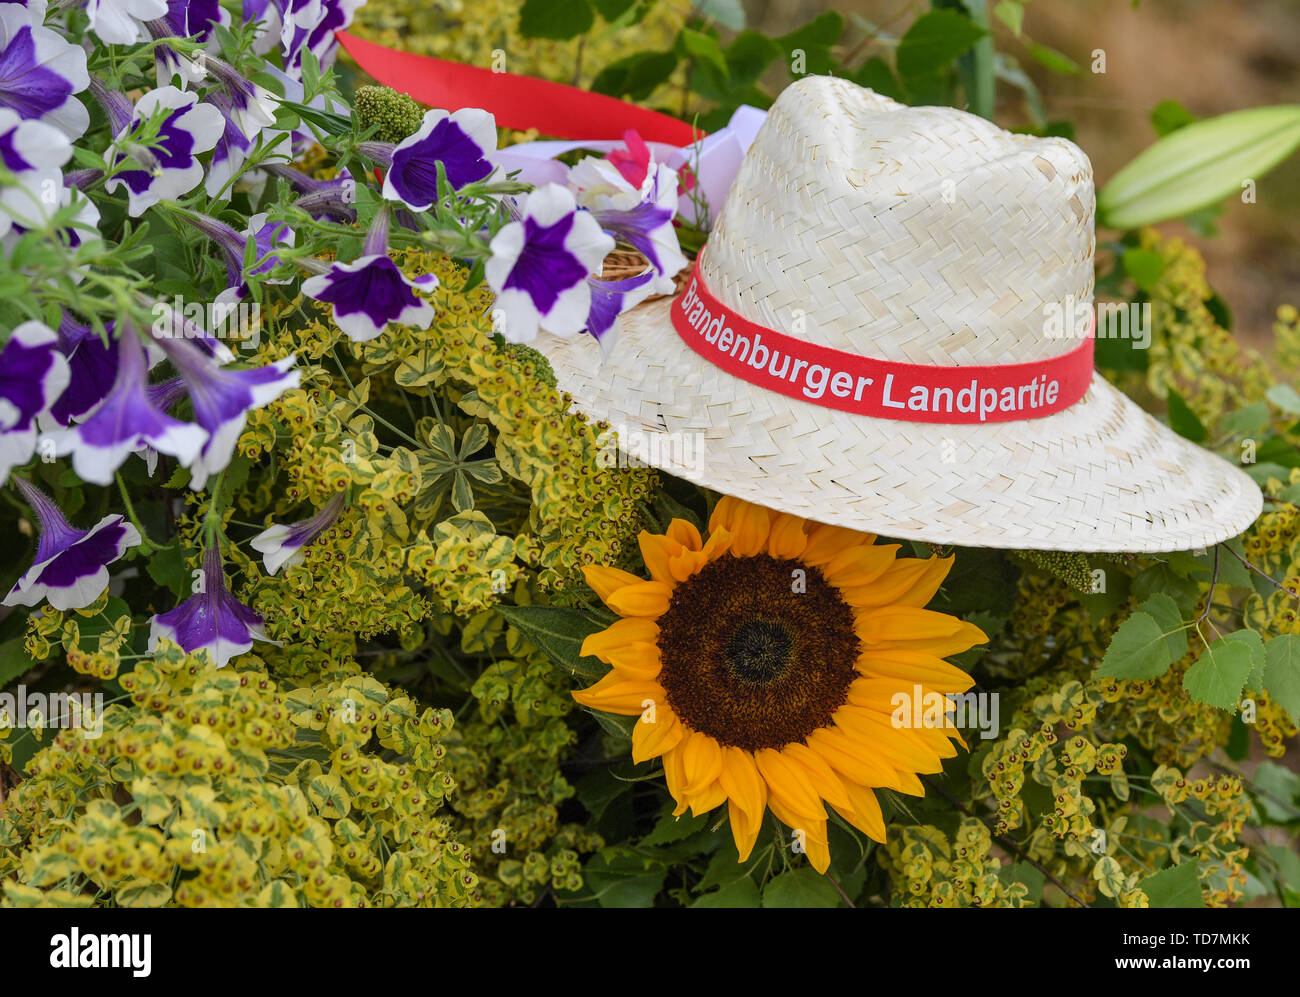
(862, 236)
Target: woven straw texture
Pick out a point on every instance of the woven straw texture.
(921, 235)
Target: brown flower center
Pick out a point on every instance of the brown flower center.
(757, 652)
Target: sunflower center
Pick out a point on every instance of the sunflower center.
(757, 652)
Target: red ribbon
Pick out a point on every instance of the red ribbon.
(519, 102)
(882, 389)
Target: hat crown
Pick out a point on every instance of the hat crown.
(920, 235)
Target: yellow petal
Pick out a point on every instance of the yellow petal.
(824, 542)
(701, 761)
(619, 634)
(637, 660)
(915, 666)
(743, 785)
(711, 797)
(747, 523)
(788, 537)
(657, 552)
(743, 828)
(902, 584)
(605, 581)
(684, 532)
(886, 741)
(650, 740)
(859, 566)
(819, 775)
(787, 785)
(616, 693)
(915, 629)
(849, 757)
(675, 776)
(645, 599)
(865, 814)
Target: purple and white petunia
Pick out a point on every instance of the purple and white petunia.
(266, 237)
(92, 367)
(41, 72)
(125, 421)
(122, 22)
(372, 291)
(222, 399)
(33, 152)
(540, 264)
(611, 298)
(71, 565)
(462, 142)
(170, 166)
(185, 19)
(641, 216)
(310, 25)
(33, 374)
(322, 199)
(211, 620)
(284, 545)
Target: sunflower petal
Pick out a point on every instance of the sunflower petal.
(857, 566)
(914, 666)
(658, 551)
(788, 537)
(701, 761)
(637, 660)
(683, 531)
(616, 693)
(865, 813)
(675, 776)
(788, 786)
(891, 743)
(747, 523)
(825, 541)
(621, 633)
(605, 581)
(744, 828)
(643, 599)
(915, 629)
(901, 584)
(818, 773)
(850, 758)
(650, 740)
(743, 785)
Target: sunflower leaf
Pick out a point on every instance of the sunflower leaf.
(559, 632)
(800, 888)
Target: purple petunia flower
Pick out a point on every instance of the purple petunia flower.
(170, 165)
(266, 237)
(283, 545)
(71, 565)
(33, 152)
(92, 366)
(222, 399)
(372, 291)
(640, 216)
(41, 72)
(611, 298)
(463, 142)
(310, 25)
(33, 374)
(126, 421)
(540, 264)
(122, 22)
(211, 620)
(322, 199)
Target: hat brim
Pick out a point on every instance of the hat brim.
(1102, 475)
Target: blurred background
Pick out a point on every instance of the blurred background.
(1212, 56)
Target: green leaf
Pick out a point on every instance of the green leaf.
(1011, 14)
(1144, 266)
(670, 829)
(1177, 886)
(875, 74)
(1168, 116)
(1184, 420)
(934, 40)
(558, 19)
(800, 888)
(1282, 673)
(1057, 62)
(167, 568)
(1166, 613)
(14, 661)
(559, 633)
(742, 893)
(1277, 791)
(1249, 419)
(749, 55)
(328, 121)
(635, 76)
(1198, 165)
(1218, 675)
(1284, 397)
(619, 877)
(1255, 644)
(701, 46)
(1138, 650)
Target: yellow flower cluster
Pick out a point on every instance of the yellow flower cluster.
(930, 869)
(217, 787)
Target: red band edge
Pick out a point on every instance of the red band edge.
(519, 102)
(867, 386)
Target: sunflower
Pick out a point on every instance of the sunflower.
(765, 665)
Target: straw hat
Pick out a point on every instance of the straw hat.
(931, 250)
